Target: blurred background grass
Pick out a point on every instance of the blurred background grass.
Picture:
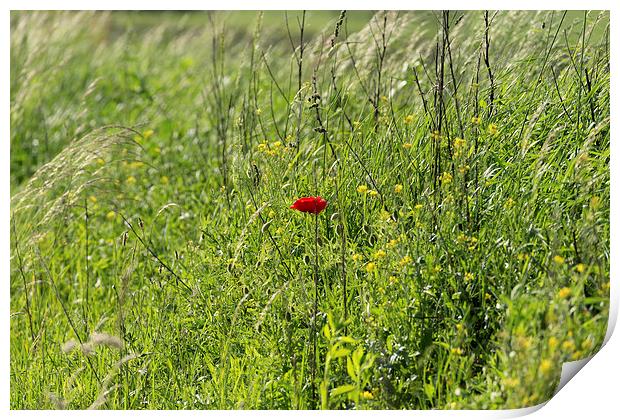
(474, 266)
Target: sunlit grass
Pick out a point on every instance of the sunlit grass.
(155, 260)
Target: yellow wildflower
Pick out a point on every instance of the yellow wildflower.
(165, 180)
(92, 199)
(131, 180)
(475, 120)
(469, 277)
(458, 143)
(379, 254)
(147, 134)
(367, 395)
(553, 343)
(101, 161)
(545, 366)
(392, 243)
(558, 260)
(407, 145)
(398, 188)
(564, 292)
(371, 266)
(373, 193)
(580, 267)
(457, 351)
(446, 178)
(408, 119)
(418, 206)
(357, 257)
(362, 189)
(435, 135)
(524, 342)
(587, 344)
(111, 215)
(568, 345)
(405, 261)
(512, 382)
(492, 129)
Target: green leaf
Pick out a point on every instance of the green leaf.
(429, 390)
(368, 362)
(340, 352)
(356, 357)
(342, 389)
(351, 370)
(330, 321)
(348, 340)
(326, 332)
(442, 344)
(594, 299)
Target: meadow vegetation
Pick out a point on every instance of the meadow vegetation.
(155, 262)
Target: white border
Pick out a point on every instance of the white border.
(593, 393)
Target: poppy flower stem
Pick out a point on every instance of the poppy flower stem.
(316, 298)
(314, 205)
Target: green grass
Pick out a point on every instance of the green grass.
(463, 256)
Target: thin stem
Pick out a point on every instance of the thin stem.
(66, 312)
(316, 297)
(344, 272)
(154, 255)
(87, 279)
(487, 27)
(23, 276)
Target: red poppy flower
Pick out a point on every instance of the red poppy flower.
(313, 205)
